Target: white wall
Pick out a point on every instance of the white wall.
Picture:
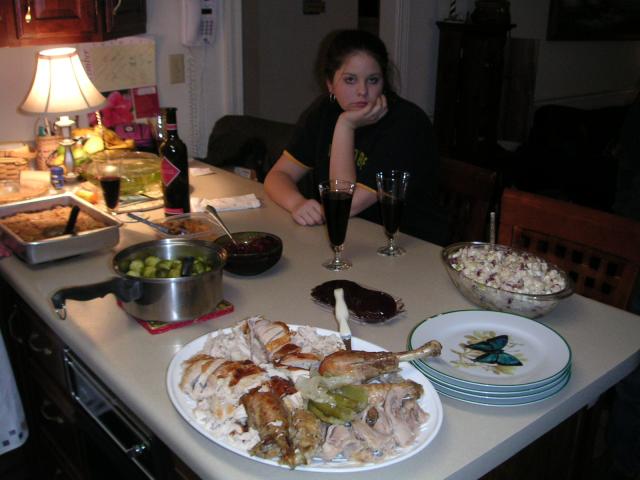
(281, 45)
(580, 73)
(218, 95)
(583, 74)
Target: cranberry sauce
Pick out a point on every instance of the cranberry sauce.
(372, 306)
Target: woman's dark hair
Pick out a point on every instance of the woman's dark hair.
(338, 45)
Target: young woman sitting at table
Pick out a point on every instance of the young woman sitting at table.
(361, 126)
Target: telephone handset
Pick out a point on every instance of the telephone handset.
(198, 22)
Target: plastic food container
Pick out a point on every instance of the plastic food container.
(198, 226)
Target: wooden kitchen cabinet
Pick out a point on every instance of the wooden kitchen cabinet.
(468, 89)
(36, 356)
(65, 441)
(69, 21)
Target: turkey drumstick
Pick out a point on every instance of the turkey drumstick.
(363, 366)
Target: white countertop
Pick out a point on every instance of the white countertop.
(605, 341)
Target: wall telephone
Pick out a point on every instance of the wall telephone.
(198, 22)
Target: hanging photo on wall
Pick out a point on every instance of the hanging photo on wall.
(594, 20)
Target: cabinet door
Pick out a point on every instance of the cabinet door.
(124, 17)
(5, 23)
(54, 20)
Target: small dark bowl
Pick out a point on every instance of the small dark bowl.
(258, 252)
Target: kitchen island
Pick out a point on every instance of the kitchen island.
(474, 439)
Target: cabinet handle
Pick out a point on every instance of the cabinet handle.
(44, 349)
(51, 417)
(10, 321)
(115, 9)
(27, 17)
(136, 450)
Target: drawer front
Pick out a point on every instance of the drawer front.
(55, 429)
(43, 347)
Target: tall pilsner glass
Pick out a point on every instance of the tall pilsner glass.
(392, 190)
(336, 198)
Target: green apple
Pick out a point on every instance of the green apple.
(93, 145)
(78, 152)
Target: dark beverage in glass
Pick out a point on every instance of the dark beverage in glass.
(336, 196)
(110, 190)
(391, 210)
(392, 190)
(337, 206)
(108, 171)
(174, 169)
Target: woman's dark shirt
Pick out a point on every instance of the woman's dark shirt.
(402, 140)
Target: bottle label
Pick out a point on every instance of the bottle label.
(173, 211)
(168, 171)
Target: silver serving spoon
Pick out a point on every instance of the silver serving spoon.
(214, 213)
(57, 231)
(155, 226)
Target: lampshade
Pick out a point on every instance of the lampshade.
(61, 86)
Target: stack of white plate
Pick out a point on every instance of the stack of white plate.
(544, 357)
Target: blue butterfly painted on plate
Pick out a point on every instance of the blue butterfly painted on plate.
(494, 353)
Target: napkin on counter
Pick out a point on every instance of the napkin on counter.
(241, 202)
(198, 171)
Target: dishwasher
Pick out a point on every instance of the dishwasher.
(116, 443)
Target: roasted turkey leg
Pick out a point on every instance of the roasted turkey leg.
(363, 366)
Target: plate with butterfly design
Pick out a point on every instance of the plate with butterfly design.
(492, 351)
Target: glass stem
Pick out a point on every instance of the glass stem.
(392, 242)
(337, 252)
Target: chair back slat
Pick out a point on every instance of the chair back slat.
(600, 251)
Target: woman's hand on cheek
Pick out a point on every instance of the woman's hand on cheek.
(308, 212)
(368, 115)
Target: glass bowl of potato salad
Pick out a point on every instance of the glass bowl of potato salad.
(505, 279)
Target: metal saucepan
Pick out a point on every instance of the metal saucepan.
(158, 299)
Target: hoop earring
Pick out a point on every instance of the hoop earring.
(332, 97)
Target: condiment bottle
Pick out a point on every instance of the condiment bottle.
(57, 177)
(174, 169)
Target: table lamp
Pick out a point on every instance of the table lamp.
(61, 87)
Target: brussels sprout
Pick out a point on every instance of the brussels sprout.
(165, 264)
(149, 272)
(152, 261)
(136, 265)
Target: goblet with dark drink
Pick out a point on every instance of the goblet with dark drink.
(336, 198)
(108, 173)
(392, 190)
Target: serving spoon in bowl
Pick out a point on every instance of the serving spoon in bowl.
(214, 213)
(69, 227)
(149, 223)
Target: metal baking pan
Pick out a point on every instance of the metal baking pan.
(65, 245)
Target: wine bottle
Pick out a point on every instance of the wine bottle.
(174, 169)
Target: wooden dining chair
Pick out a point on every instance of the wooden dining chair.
(599, 250)
(467, 192)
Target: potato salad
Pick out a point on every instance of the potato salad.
(508, 270)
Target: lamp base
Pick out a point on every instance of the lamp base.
(65, 124)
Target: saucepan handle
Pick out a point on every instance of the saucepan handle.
(125, 289)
